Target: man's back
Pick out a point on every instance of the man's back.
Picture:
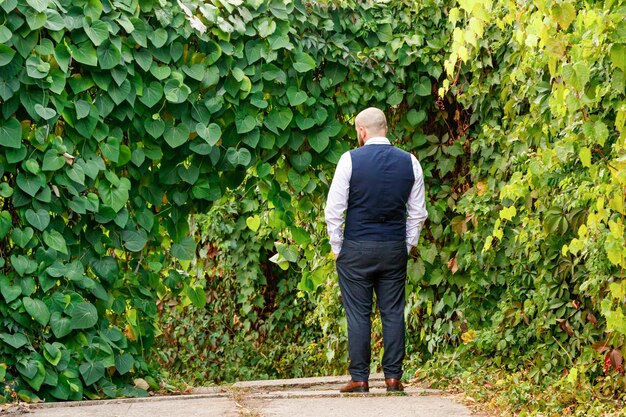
(381, 181)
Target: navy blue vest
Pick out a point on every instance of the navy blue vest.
(381, 182)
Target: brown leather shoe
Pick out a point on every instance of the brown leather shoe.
(355, 386)
(394, 385)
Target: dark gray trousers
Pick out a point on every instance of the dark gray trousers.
(364, 267)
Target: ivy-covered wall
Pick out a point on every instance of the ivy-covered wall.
(120, 119)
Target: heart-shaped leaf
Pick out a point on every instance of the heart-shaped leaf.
(16, 340)
(37, 309)
(152, 94)
(176, 91)
(295, 96)
(39, 219)
(23, 265)
(9, 292)
(303, 62)
(301, 161)
(46, 113)
(253, 222)
(238, 157)
(61, 326)
(6, 54)
(21, 237)
(304, 123)
(10, 133)
(210, 134)
(55, 240)
(155, 128)
(98, 32)
(278, 119)
(176, 135)
(84, 316)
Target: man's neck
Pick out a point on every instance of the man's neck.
(376, 140)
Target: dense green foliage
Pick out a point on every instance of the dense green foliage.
(121, 119)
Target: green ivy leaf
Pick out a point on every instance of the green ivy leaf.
(61, 326)
(585, 156)
(21, 237)
(84, 316)
(6, 222)
(39, 219)
(33, 372)
(253, 222)
(9, 292)
(84, 54)
(155, 128)
(6, 54)
(176, 135)
(5, 34)
(46, 113)
(5, 190)
(301, 161)
(304, 123)
(176, 91)
(196, 71)
(185, 250)
(23, 265)
(91, 372)
(395, 98)
(197, 296)
(210, 134)
(38, 5)
(238, 157)
(98, 32)
(617, 54)
(245, 123)
(424, 87)
(564, 14)
(263, 170)
(159, 37)
(297, 181)
(416, 117)
(52, 161)
(576, 75)
(93, 9)
(124, 363)
(152, 94)
(278, 119)
(296, 97)
(30, 184)
(10, 133)
(52, 353)
(303, 62)
(266, 27)
(111, 149)
(108, 55)
(319, 141)
(133, 240)
(300, 236)
(55, 240)
(16, 340)
(37, 309)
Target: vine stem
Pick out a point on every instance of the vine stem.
(564, 350)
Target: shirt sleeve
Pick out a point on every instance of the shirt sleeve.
(416, 206)
(337, 202)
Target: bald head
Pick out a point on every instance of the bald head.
(370, 123)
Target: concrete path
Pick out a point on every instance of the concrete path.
(304, 397)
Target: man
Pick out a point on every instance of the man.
(381, 189)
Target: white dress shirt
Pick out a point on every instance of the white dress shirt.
(337, 201)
